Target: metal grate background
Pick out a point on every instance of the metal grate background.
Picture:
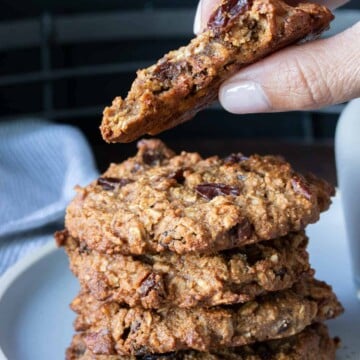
(67, 65)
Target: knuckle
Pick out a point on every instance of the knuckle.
(305, 83)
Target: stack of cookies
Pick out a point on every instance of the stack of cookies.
(181, 257)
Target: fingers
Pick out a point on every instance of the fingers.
(206, 7)
(301, 77)
(203, 12)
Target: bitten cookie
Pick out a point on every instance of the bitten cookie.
(186, 80)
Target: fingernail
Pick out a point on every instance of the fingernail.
(334, 4)
(197, 21)
(244, 97)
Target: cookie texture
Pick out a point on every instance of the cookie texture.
(169, 279)
(158, 201)
(186, 80)
(313, 343)
(110, 328)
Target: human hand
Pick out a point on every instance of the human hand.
(300, 77)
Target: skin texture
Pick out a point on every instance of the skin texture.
(283, 82)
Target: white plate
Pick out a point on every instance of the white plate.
(36, 322)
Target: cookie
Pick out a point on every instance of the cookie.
(187, 80)
(168, 279)
(110, 328)
(158, 201)
(313, 343)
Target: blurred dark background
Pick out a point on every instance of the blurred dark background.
(65, 60)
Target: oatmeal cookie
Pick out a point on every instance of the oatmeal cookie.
(111, 328)
(154, 281)
(187, 80)
(313, 343)
(157, 201)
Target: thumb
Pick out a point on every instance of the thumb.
(301, 77)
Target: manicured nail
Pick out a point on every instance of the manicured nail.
(244, 97)
(197, 21)
(334, 4)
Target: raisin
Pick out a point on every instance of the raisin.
(300, 186)
(253, 255)
(152, 158)
(169, 356)
(111, 183)
(153, 282)
(171, 70)
(125, 333)
(281, 272)
(83, 248)
(100, 343)
(61, 237)
(211, 190)
(283, 326)
(235, 158)
(178, 176)
(242, 231)
(225, 14)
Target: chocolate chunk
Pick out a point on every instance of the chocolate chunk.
(226, 12)
(300, 186)
(211, 190)
(111, 183)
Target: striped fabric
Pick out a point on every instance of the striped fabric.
(40, 163)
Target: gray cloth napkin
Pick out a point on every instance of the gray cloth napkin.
(40, 163)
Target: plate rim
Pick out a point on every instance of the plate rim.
(11, 274)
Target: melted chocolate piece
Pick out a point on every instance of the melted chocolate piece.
(211, 190)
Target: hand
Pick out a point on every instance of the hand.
(300, 77)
